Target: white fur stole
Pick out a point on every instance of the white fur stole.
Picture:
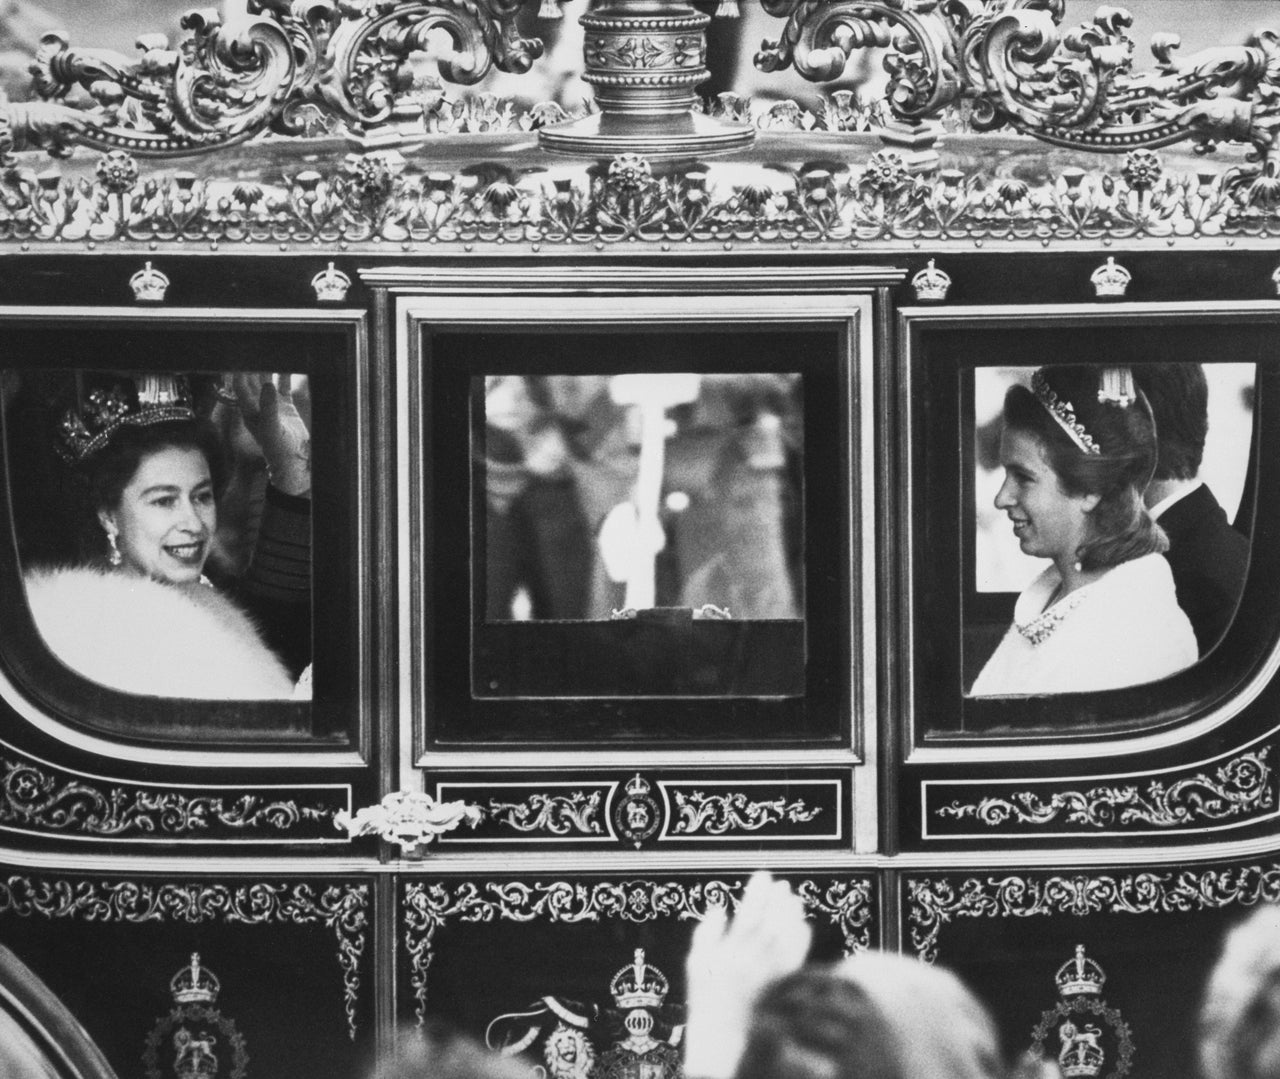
(145, 637)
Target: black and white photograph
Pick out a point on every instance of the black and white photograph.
(639, 539)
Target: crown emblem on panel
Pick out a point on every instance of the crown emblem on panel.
(637, 1036)
(149, 285)
(636, 815)
(331, 285)
(194, 1041)
(931, 284)
(1089, 1039)
(1110, 280)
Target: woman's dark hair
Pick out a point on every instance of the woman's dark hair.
(1118, 475)
(815, 1024)
(109, 471)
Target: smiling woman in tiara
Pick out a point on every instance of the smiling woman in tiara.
(143, 617)
(1078, 450)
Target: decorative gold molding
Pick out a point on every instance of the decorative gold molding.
(558, 814)
(718, 814)
(279, 67)
(428, 907)
(1013, 64)
(1240, 787)
(31, 798)
(936, 902)
(341, 907)
(376, 198)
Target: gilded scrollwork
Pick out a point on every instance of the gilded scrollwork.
(718, 814)
(428, 907)
(377, 197)
(1015, 65)
(342, 908)
(935, 902)
(289, 68)
(35, 799)
(1242, 786)
(558, 814)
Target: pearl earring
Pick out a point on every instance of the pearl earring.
(113, 556)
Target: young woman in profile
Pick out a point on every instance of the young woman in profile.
(1078, 450)
(143, 618)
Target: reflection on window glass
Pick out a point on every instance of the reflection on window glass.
(625, 493)
(164, 527)
(1105, 552)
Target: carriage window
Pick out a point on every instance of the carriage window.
(164, 527)
(652, 522)
(1190, 484)
(1101, 577)
(640, 560)
(161, 567)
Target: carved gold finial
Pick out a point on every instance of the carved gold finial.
(1110, 279)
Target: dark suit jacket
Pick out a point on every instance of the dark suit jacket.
(1209, 560)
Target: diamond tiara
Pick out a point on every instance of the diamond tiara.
(1064, 413)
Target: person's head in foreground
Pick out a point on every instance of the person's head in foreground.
(1240, 1016)
(755, 1011)
(874, 1016)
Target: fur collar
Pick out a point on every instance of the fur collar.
(145, 637)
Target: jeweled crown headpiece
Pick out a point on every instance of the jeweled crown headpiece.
(1115, 387)
(150, 399)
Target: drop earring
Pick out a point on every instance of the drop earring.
(113, 555)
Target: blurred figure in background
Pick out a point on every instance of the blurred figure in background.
(1208, 557)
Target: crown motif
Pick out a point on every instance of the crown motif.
(637, 787)
(1064, 413)
(931, 284)
(149, 285)
(1080, 976)
(155, 399)
(331, 285)
(1110, 279)
(639, 985)
(194, 984)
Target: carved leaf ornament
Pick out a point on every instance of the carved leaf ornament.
(343, 908)
(936, 902)
(32, 798)
(291, 68)
(1238, 788)
(377, 197)
(431, 906)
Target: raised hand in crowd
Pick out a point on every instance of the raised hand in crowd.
(730, 963)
